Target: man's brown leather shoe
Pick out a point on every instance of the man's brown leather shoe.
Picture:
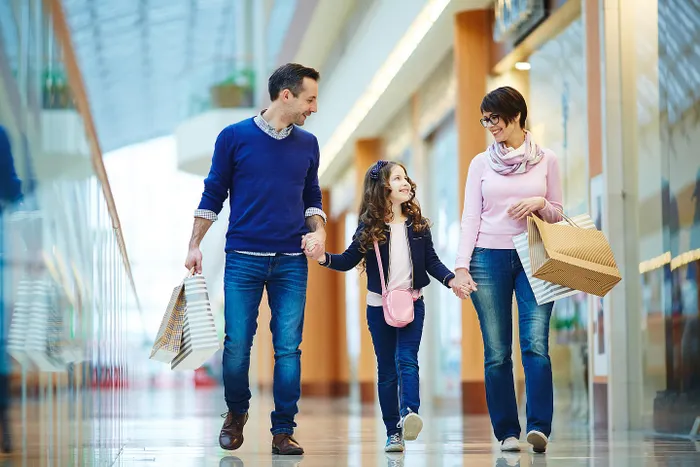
(231, 436)
(285, 444)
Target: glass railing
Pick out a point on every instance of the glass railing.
(66, 292)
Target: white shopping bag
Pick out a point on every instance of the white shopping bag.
(199, 337)
(45, 336)
(19, 326)
(36, 335)
(544, 291)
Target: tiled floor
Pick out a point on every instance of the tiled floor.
(180, 428)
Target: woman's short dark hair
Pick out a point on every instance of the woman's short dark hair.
(290, 76)
(507, 102)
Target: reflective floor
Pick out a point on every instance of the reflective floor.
(180, 428)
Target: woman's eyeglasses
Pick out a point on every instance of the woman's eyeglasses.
(493, 120)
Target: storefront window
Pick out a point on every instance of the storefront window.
(557, 115)
(668, 128)
(444, 196)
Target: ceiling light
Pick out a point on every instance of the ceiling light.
(522, 66)
(381, 80)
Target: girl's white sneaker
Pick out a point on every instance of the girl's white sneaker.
(538, 440)
(394, 443)
(412, 425)
(510, 444)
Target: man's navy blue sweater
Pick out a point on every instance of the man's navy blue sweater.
(270, 184)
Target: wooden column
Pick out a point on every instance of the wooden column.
(471, 52)
(367, 152)
(324, 348)
(339, 328)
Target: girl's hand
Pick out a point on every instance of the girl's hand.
(461, 291)
(462, 285)
(525, 207)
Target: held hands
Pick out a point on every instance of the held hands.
(525, 207)
(314, 245)
(459, 290)
(462, 285)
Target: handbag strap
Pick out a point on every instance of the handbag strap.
(381, 269)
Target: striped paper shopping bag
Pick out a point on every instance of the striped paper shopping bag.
(45, 331)
(169, 338)
(199, 337)
(19, 326)
(544, 291)
(568, 255)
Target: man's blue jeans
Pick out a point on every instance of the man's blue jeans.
(285, 279)
(397, 364)
(498, 273)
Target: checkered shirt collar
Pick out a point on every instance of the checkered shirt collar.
(270, 130)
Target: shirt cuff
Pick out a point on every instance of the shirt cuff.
(327, 260)
(316, 212)
(447, 279)
(206, 214)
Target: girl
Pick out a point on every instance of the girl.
(390, 215)
(513, 179)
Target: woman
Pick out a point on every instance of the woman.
(513, 179)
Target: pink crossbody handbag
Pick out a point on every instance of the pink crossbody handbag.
(397, 304)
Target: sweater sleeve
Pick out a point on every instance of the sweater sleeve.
(349, 258)
(218, 182)
(471, 215)
(553, 200)
(433, 265)
(312, 189)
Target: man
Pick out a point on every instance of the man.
(269, 169)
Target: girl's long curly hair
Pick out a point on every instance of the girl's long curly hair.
(375, 209)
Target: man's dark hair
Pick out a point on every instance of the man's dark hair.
(290, 76)
(507, 103)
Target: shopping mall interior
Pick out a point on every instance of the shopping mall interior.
(110, 111)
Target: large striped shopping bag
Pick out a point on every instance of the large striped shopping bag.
(544, 291)
(199, 337)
